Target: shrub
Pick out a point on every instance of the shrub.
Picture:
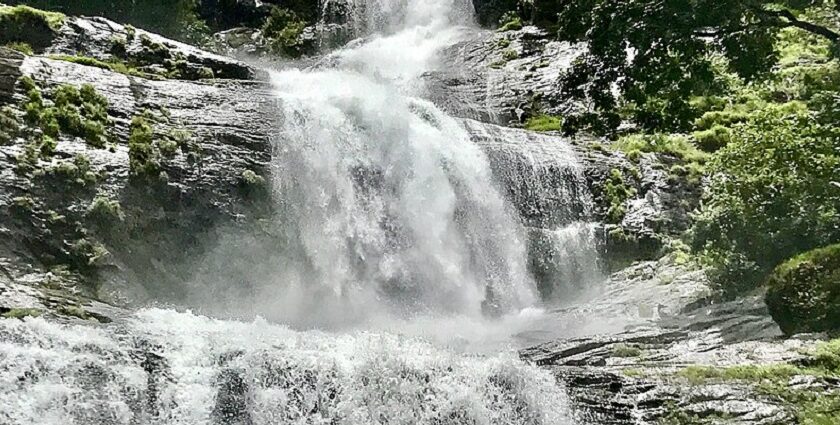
(804, 293)
(772, 195)
(544, 123)
(283, 30)
(617, 193)
(21, 47)
(112, 65)
(510, 21)
(105, 212)
(674, 145)
(9, 126)
(713, 139)
(143, 158)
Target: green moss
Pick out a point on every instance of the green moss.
(674, 145)
(85, 254)
(75, 112)
(751, 373)
(205, 73)
(509, 55)
(804, 293)
(9, 126)
(13, 17)
(112, 65)
(21, 47)
(144, 160)
(510, 21)
(626, 351)
(77, 172)
(544, 123)
(105, 212)
(504, 43)
(21, 313)
(617, 193)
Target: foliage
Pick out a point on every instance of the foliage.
(21, 313)
(804, 293)
(173, 18)
(544, 123)
(283, 30)
(18, 18)
(76, 112)
(105, 211)
(677, 146)
(626, 351)
(812, 406)
(144, 159)
(9, 125)
(510, 21)
(772, 195)
(660, 55)
(617, 193)
(21, 47)
(114, 65)
(77, 172)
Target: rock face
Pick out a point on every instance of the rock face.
(208, 135)
(504, 78)
(634, 371)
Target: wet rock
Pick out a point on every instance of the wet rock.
(107, 41)
(223, 128)
(504, 78)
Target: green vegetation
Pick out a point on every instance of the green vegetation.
(772, 196)
(22, 18)
(510, 21)
(544, 123)
(813, 406)
(173, 18)
(626, 351)
(676, 146)
(144, 158)
(76, 112)
(77, 172)
(617, 192)
(804, 293)
(105, 212)
(9, 125)
(283, 30)
(114, 65)
(21, 313)
(21, 47)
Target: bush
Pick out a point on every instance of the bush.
(510, 21)
(804, 293)
(772, 195)
(544, 123)
(713, 139)
(21, 47)
(283, 29)
(677, 146)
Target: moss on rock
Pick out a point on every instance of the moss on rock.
(804, 292)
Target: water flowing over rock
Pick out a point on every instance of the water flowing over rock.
(213, 372)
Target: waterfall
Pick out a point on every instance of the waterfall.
(166, 368)
(388, 209)
(392, 244)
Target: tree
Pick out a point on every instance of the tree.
(650, 57)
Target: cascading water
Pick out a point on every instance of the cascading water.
(388, 209)
(388, 220)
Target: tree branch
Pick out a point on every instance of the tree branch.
(791, 20)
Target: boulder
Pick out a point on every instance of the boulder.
(804, 293)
